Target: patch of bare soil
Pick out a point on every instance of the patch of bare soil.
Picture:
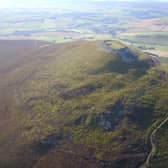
(158, 52)
(150, 25)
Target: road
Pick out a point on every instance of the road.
(153, 145)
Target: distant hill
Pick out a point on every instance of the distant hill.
(81, 105)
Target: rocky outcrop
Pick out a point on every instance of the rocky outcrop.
(152, 61)
(126, 55)
(105, 121)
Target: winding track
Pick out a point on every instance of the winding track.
(153, 145)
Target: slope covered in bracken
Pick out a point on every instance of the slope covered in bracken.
(80, 104)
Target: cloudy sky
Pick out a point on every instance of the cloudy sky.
(34, 3)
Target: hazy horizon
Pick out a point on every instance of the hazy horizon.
(55, 3)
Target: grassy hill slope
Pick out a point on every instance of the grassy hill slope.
(92, 104)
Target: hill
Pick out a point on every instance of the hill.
(80, 104)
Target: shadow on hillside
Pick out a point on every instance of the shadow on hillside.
(117, 66)
(47, 144)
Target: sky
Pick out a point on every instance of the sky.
(43, 3)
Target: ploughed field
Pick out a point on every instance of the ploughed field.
(80, 104)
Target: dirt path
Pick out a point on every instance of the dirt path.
(153, 145)
(46, 45)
